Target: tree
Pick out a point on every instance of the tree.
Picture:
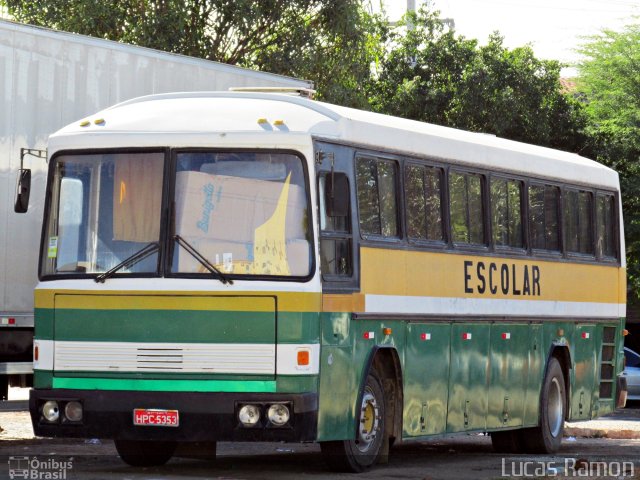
(433, 74)
(331, 42)
(609, 81)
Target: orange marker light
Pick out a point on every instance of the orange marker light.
(303, 357)
(36, 353)
(625, 332)
(386, 331)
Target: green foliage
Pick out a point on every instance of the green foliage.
(609, 81)
(332, 42)
(610, 77)
(432, 74)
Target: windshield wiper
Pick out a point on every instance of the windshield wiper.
(200, 258)
(129, 261)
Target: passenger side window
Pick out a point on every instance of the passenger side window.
(335, 237)
(467, 212)
(606, 227)
(578, 223)
(506, 212)
(377, 197)
(423, 187)
(544, 225)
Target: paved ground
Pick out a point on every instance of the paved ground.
(623, 424)
(466, 457)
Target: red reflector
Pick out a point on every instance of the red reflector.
(425, 336)
(585, 334)
(466, 336)
(506, 336)
(369, 335)
(36, 353)
(12, 321)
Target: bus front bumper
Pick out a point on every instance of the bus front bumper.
(201, 416)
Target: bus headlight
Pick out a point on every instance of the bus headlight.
(249, 415)
(278, 414)
(50, 411)
(73, 411)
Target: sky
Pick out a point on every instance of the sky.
(553, 27)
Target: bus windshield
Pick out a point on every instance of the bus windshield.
(246, 213)
(103, 209)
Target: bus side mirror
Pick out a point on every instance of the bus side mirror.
(337, 195)
(22, 191)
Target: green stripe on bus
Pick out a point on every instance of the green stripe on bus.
(178, 326)
(164, 385)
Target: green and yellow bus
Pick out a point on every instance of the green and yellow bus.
(257, 266)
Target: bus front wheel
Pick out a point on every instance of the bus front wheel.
(363, 452)
(547, 436)
(144, 453)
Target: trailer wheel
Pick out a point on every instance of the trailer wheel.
(363, 452)
(547, 436)
(144, 453)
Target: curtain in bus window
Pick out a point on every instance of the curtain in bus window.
(137, 197)
(466, 208)
(245, 212)
(506, 212)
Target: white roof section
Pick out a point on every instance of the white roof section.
(178, 114)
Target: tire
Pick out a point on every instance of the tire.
(144, 453)
(506, 441)
(357, 455)
(547, 436)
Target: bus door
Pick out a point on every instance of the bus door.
(339, 267)
(335, 183)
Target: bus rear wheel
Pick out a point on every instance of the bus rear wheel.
(363, 452)
(547, 436)
(144, 453)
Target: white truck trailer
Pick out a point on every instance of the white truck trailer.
(47, 80)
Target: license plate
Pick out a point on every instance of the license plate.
(155, 418)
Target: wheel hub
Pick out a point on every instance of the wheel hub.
(369, 421)
(555, 417)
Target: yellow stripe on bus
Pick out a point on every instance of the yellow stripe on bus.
(434, 274)
(154, 300)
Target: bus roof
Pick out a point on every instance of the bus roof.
(254, 112)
